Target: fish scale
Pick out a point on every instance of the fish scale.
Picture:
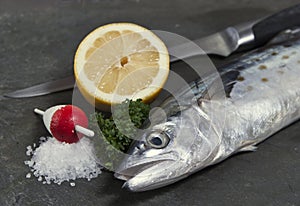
(263, 101)
(262, 96)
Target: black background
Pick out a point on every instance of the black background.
(38, 40)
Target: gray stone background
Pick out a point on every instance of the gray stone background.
(38, 40)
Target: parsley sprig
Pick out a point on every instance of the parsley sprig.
(138, 112)
(110, 135)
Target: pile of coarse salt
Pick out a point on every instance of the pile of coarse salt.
(56, 162)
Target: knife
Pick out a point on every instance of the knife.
(247, 35)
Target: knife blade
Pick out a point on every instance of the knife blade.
(246, 35)
(44, 88)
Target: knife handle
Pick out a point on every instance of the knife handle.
(270, 26)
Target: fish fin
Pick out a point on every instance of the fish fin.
(249, 148)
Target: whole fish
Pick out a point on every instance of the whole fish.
(262, 95)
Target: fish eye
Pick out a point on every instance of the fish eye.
(158, 140)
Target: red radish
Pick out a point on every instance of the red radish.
(67, 123)
(63, 123)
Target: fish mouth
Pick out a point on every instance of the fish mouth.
(129, 169)
(130, 172)
(149, 176)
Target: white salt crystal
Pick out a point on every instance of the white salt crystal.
(35, 173)
(29, 163)
(28, 175)
(29, 150)
(42, 139)
(57, 162)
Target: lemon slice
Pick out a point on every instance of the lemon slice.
(119, 61)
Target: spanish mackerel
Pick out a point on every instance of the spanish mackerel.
(262, 96)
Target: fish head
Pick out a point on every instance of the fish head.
(166, 153)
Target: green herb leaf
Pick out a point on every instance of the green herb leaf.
(138, 112)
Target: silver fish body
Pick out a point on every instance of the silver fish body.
(262, 96)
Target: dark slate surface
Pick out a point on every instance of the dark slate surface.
(38, 40)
